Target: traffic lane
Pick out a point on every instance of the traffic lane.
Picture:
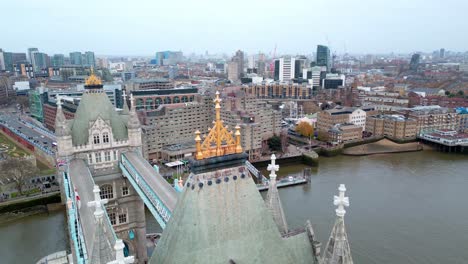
(30, 133)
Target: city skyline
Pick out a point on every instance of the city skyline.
(144, 28)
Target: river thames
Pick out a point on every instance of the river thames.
(404, 208)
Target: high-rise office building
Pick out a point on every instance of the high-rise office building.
(285, 69)
(414, 63)
(41, 61)
(323, 57)
(233, 71)
(89, 59)
(442, 53)
(299, 65)
(165, 58)
(7, 59)
(239, 58)
(58, 60)
(76, 58)
(30, 57)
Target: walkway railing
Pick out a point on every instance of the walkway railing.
(74, 224)
(255, 172)
(149, 194)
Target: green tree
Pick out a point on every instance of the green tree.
(447, 93)
(20, 171)
(461, 93)
(274, 143)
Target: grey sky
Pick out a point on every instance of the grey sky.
(142, 27)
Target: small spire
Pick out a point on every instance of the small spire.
(97, 203)
(273, 201)
(125, 109)
(132, 102)
(119, 254)
(273, 168)
(59, 102)
(341, 201)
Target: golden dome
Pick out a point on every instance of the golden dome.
(93, 80)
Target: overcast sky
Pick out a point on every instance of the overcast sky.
(142, 27)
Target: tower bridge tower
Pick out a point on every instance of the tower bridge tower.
(94, 139)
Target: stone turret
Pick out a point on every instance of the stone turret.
(273, 201)
(337, 250)
(63, 132)
(133, 125)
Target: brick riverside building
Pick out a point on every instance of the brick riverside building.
(328, 118)
(152, 99)
(392, 126)
(343, 133)
(430, 118)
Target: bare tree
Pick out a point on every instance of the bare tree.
(19, 170)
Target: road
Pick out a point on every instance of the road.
(37, 136)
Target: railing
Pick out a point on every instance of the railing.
(255, 172)
(149, 197)
(74, 222)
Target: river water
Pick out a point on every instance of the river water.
(404, 208)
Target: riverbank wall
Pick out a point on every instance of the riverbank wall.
(384, 146)
(13, 210)
(305, 158)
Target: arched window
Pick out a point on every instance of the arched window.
(139, 104)
(96, 138)
(149, 104)
(105, 137)
(167, 100)
(106, 191)
(176, 100)
(159, 101)
(184, 99)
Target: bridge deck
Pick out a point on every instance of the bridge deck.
(83, 182)
(158, 184)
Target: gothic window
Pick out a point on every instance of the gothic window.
(98, 157)
(122, 218)
(107, 156)
(115, 154)
(106, 192)
(112, 218)
(96, 138)
(90, 158)
(105, 137)
(125, 191)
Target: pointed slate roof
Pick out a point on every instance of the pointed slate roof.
(273, 201)
(92, 106)
(62, 127)
(221, 217)
(337, 250)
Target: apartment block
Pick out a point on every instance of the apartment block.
(396, 127)
(279, 90)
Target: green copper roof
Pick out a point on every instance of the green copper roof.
(226, 220)
(92, 106)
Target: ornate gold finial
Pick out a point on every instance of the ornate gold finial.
(93, 80)
(219, 141)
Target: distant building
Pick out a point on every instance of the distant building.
(285, 69)
(233, 71)
(323, 57)
(166, 58)
(89, 59)
(148, 84)
(8, 59)
(76, 58)
(414, 63)
(41, 61)
(58, 60)
(239, 58)
(333, 81)
(279, 90)
(6, 90)
(30, 56)
(442, 53)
